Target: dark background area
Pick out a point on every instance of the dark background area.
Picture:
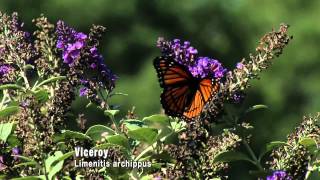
(224, 30)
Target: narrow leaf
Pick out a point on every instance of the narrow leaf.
(8, 111)
(50, 80)
(11, 86)
(231, 156)
(256, 107)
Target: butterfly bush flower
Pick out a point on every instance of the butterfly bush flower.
(2, 165)
(279, 175)
(16, 151)
(83, 91)
(80, 52)
(185, 54)
(70, 42)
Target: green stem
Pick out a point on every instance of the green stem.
(253, 156)
(4, 97)
(115, 125)
(25, 79)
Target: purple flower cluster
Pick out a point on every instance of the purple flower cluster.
(279, 175)
(70, 42)
(83, 91)
(185, 54)
(76, 46)
(2, 163)
(16, 151)
(4, 69)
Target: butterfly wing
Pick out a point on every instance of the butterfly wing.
(170, 73)
(202, 95)
(174, 79)
(179, 97)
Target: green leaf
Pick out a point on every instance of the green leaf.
(13, 140)
(67, 134)
(42, 95)
(95, 132)
(26, 164)
(25, 158)
(158, 121)
(8, 111)
(310, 144)
(119, 140)
(118, 93)
(53, 165)
(65, 156)
(132, 124)
(270, 146)
(256, 107)
(50, 80)
(29, 178)
(231, 156)
(148, 135)
(111, 113)
(11, 86)
(5, 131)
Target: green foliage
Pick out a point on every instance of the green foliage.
(95, 132)
(5, 130)
(8, 111)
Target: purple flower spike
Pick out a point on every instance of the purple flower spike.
(279, 175)
(83, 91)
(187, 55)
(16, 151)
(70, 42)
(4, 69)
(2, 166)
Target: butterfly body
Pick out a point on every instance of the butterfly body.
(183, 95)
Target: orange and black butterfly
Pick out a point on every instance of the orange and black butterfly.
(183, 95)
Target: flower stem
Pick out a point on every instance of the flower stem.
(253, 156)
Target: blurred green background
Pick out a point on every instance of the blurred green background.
(224, 30)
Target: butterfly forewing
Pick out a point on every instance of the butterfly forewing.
(170, 73)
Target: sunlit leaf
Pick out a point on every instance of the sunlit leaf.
(256, 107)
(144, 134)
(132, 124)
(5, 130)
(95, 132)
(111, 113)
(9, 111)
(157, 121)
(119, 140)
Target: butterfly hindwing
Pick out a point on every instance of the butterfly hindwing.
(201, 97)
